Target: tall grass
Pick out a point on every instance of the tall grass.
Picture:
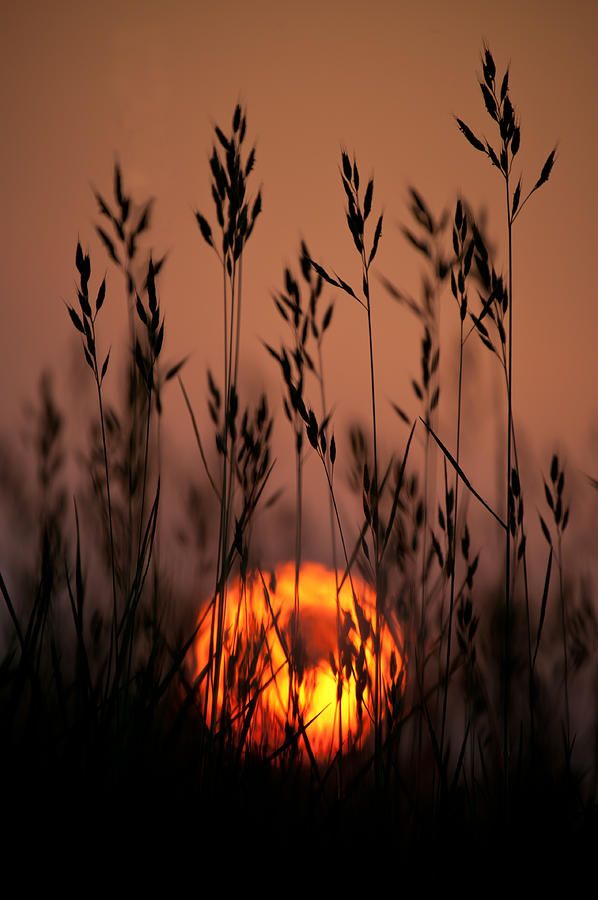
(462, 719)
(502, 112)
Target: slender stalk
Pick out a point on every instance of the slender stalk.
(507, 639)
(424, 549)
(238, 334)
(130, 612)
(145, 468)
(378, 643)
(236, 223)
(132, 398)
(227, 488)
(231, 338)
(298, 530)
(565, 650)
(336, 581)
(338, 522)
(114, 631)
(531, 701)
(225, 329)
(527, 615)
(293, 689)
(453, 551)
(532, 716)
(212, 680)
(231, 369)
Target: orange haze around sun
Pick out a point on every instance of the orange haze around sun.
(255, 657)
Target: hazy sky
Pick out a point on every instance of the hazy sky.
(83, 83)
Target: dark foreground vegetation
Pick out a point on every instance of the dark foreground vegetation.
(466, 746)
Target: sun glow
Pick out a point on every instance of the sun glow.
(333, 673)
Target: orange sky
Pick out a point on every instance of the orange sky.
(82, 83)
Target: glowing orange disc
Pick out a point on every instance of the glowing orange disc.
(263, 696)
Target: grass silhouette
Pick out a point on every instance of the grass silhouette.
(468, 743)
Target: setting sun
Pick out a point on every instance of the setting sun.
(259, 633)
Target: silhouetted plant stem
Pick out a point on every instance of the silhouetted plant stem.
(131, 609)
(453, 549)
(145, 467)
(500, 109)
(220, 593)
(226, 493)
(236, 222)
(114, 638)
(507, 663)
(211, 687)
(378, 642)
(560, 513)
(228, 489)
(296, 635)
(133, 397)
(231, 362)
(125, 228)
(522, 554)
(424, 234)
(463, 257)
(85, 325)
(358, 211)
(225, 328)
(565, 650)
(330, 482)
(336, 582)
(238, 330)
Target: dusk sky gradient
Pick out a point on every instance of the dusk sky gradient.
(144, 82)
